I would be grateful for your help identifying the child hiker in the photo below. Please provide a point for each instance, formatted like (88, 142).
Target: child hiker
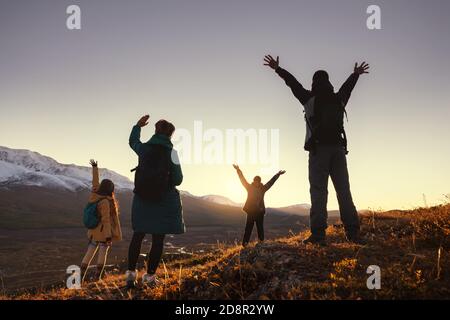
(254, 206)
(104, 226)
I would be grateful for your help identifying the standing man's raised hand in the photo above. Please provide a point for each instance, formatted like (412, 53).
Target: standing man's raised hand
(236, 167)
(281, 172)
(271, 62)
(93, 163)
(361, 69)
(143, 121)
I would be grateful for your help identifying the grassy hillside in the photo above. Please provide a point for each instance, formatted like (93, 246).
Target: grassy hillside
(412, 248)
(40, 208)
(41, 232)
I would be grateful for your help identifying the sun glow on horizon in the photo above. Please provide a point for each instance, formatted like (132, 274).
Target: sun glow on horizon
(75, 95)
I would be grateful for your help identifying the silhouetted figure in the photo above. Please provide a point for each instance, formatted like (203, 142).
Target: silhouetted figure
(326, 142)
(107, 225)
(156, 208)
(254, 205)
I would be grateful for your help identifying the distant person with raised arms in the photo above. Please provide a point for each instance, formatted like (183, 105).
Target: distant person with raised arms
(254, 205)
(101, 217)
(156, 208)
(326, 142)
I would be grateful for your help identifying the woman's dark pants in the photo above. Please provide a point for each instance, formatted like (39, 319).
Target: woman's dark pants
(154, 256)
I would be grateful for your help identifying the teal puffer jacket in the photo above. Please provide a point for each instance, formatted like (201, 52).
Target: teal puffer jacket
(166, 216)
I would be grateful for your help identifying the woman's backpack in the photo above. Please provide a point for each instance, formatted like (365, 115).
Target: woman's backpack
(151, 180)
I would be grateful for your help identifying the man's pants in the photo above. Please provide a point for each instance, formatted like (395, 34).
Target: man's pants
(330, 161)
(251, 220)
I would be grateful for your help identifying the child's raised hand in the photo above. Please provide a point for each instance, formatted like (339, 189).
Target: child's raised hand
(281, 172)
(236, 166)
(93, 162)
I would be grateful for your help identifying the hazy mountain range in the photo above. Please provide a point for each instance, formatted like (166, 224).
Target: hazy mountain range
(37, 191)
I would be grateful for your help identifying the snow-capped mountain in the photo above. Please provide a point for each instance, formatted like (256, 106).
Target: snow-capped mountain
(20, 167)
(24, 167)
(297, 209)
(213, 198)
(220, 200)
(301, 206)
(28, 168)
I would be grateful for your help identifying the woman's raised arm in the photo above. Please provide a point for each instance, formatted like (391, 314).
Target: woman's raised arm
(135, 136)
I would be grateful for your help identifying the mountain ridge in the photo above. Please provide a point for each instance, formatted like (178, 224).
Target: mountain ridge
(22, 167)
(25, 167)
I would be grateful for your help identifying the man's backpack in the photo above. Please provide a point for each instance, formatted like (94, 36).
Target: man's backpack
(327, 124)
(90, 215)
(151, 180)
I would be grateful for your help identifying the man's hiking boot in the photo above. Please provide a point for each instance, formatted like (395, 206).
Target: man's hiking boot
(150, 280)
(131, 277)
(259, 244)
(313, 239)
(356, 239)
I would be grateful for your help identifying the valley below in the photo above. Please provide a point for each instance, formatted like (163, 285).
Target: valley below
(41, 233)
(37, 258)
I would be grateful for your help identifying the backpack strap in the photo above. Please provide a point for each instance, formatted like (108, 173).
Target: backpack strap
(313, 149)
(307, 121)
(343, 132)
(345, 141)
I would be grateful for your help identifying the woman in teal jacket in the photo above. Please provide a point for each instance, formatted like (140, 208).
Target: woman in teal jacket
(157, 218)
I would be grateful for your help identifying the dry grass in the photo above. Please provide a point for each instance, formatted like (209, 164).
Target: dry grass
(411, 248)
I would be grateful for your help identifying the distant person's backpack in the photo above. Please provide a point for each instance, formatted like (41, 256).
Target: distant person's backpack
(90, 215)
(151, 180)
(255, 201)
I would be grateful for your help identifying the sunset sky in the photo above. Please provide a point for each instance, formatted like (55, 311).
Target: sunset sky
(75, 94)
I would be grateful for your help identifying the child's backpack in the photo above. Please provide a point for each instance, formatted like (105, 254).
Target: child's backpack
(90, 216)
